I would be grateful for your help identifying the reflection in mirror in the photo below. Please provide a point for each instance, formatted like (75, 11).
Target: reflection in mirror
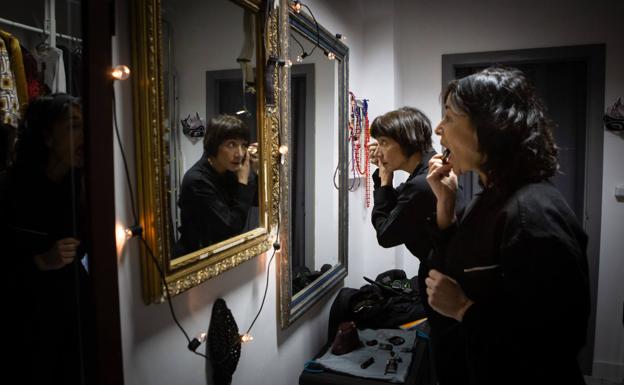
(314, 140)
(210, 119)
(43, 213)
(314, 259)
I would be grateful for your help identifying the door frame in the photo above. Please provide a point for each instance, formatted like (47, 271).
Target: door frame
(594, 57)
(98, 28)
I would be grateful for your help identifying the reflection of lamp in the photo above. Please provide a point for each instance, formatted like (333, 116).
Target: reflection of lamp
(120, 72)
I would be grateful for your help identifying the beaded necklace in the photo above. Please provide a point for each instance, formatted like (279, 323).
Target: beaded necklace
(359, 136)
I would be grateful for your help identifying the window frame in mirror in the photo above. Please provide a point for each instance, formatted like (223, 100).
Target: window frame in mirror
(294, 306)
(190, 270)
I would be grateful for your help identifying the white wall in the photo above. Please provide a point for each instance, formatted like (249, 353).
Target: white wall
(426, 31)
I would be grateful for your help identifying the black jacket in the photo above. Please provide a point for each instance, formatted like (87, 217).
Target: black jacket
(406, 215)
(401, 215)
(521, 257)
(213, 207)
(51, 309)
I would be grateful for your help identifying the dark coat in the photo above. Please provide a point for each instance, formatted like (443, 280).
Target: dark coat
(406, 215)
(51, 308)
(213, 207)
(401, 215)
(521, 257)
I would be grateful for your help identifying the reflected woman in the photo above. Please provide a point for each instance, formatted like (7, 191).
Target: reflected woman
(43, 220)
(219, 190)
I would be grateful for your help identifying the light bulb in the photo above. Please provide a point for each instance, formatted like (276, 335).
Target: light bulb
(297, 6)
(299, 59)
(283, 149)
(121, 72)
(331, 55)
(246, 338)
(202, 337)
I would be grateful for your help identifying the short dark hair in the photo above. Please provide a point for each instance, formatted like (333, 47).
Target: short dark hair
(513, 131)
(408, 126)
(222, 128)
(40, 117)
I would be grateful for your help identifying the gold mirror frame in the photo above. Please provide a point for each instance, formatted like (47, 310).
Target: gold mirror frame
(192, 269)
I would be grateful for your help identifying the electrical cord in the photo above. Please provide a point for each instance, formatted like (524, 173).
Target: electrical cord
(318, 29)
(138, 231)
(125, 162)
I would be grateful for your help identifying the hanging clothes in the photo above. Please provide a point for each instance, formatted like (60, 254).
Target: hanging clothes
(51, 63)
(9, 103)
(17, 66)
(34, 79)
(75, 85)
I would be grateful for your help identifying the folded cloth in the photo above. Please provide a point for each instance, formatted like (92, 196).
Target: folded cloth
(350, 363)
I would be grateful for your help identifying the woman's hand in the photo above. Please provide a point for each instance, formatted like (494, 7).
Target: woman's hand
(243, 172)
(62, 253)
(446, 296)
(254, 157)
(443, 182)
(372, 153)
(386, 175)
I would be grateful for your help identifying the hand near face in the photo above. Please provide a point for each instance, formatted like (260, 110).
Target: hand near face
(62, 253)
(243, 171)
(446, 296)
(443, 182)
(386, 174)
(254, 157)
(372, 153)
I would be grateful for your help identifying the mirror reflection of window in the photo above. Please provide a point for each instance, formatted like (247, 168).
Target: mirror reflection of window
(209, 64)
(314, 140)
(43, 213)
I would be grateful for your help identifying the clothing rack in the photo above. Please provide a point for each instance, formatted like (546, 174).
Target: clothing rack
(50, 19)
(35, 29)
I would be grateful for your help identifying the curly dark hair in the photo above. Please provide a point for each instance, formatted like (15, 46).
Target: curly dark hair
(41, 115)
(408, 126)
(222, 128)
(513, 131)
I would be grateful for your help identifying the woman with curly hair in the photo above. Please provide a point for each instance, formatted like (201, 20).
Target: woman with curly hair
(515, 266)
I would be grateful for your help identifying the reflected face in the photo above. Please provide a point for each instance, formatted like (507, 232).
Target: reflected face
(458, 134)
(390, 154)
(230, 155)
(66, 141)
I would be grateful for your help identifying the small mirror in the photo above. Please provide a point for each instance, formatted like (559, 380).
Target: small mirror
(316, 204)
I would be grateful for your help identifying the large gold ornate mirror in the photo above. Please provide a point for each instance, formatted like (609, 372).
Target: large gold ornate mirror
(314, 205)
(204, 137)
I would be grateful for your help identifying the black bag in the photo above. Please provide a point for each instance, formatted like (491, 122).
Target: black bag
(390, 301)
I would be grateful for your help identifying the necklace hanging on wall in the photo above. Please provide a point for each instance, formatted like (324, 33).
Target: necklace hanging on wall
(359, 136)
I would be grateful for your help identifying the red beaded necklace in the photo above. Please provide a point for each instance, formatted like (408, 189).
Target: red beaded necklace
(359, 135)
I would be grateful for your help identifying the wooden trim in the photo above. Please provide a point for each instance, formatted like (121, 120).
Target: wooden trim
(97, 24)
